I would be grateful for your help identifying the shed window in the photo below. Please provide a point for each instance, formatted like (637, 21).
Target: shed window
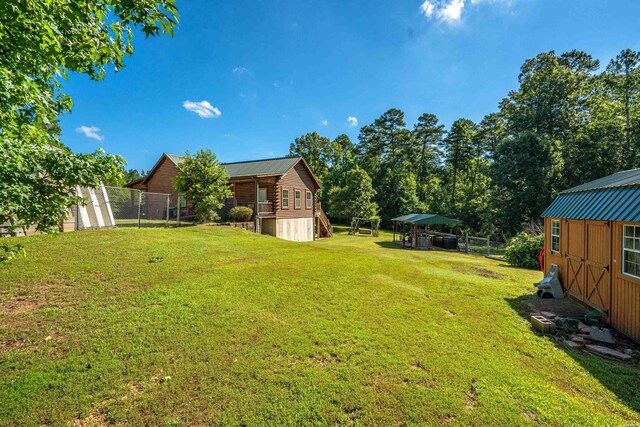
(298, 201)
(631, 250)
(309, 200)
(285, 198)
(555, 235)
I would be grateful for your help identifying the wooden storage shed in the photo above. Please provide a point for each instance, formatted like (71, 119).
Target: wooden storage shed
(592, 232)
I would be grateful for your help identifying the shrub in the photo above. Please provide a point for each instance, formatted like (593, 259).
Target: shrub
(524, 249)
(240, 214)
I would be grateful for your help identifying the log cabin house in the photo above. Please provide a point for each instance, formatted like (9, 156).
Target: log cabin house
(592, 232)
(282, 193)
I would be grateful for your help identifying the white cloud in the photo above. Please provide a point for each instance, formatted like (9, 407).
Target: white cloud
(324, 122)
(352, 121)
(427, 8)
(451, 11)
(240, 70)
(202, 109)
(90, 132)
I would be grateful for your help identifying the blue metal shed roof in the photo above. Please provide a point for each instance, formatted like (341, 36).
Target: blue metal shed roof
(612, 198)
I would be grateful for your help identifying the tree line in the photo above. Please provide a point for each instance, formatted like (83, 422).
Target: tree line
(568, 122)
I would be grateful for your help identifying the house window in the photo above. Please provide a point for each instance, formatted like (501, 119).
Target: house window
(309, 202)
(555, 235)
(262, 194)
(285, 198)
(183, 200)
(631, 250)
(298, 201)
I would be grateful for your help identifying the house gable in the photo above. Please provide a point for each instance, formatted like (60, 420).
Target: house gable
(298, 178)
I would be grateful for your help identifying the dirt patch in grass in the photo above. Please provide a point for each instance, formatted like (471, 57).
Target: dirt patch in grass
(29, 300)
(418, 365)
(90, 421)
(471, 398)
(21, 305)
(324, 360)
(478, 271)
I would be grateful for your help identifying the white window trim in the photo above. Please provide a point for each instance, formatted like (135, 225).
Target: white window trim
(295, 199)
(628, 250)
(285, 198)
(554, 235)
(308, 201)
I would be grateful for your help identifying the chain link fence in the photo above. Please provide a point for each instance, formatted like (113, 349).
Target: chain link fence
(482, 246)
(136, 208)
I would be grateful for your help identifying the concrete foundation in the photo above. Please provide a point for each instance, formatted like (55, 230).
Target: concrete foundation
(296, 229)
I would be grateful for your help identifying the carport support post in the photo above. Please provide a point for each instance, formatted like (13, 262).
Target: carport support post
(139, 207)
(414, 236)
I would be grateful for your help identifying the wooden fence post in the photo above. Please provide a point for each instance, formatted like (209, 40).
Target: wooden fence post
(488, 246)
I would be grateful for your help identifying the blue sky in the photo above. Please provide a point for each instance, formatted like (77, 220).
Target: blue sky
(270, 71)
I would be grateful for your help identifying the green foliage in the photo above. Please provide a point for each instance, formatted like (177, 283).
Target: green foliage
(125, 177)
(205, 183)
(316, 151)
(42, 41)
(524, 249)
(565, 124)
(353, 197)
(522, 174)
(10, 253)
(240, 214)
(38, 184)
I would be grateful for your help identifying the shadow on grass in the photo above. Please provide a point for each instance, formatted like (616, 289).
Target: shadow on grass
(621, 380)
(392, 245)
(152, 224)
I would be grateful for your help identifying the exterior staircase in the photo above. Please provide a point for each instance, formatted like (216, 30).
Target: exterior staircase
(323, 225)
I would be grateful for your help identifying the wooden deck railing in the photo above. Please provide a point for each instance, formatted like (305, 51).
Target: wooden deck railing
(265, 207)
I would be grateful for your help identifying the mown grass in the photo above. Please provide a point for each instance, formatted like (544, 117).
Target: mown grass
(233, 328)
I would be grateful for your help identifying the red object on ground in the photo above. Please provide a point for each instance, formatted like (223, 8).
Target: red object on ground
(541, 259)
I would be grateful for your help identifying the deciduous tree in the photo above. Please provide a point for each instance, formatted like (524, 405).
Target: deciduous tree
(205, 183)
(41, 42)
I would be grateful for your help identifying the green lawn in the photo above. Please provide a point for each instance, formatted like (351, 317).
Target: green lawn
(233, 328)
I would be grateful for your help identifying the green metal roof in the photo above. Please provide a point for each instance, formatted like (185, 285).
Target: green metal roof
(277, 166)
(426, 219)
(612, 198)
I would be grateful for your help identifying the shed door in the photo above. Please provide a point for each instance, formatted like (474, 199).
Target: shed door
(598, 253)
(574, 282)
